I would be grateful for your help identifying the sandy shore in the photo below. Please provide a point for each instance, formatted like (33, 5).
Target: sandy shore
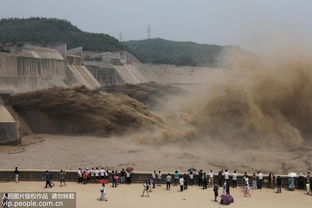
(71, 152)
(129, 196)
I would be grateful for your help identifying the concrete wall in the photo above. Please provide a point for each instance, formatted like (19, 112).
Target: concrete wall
(20, 72)
(80, 75)
(8, 65)
(9, 133)
(105, 75)
(137, 177)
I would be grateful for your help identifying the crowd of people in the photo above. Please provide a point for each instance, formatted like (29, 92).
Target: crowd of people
(223, 179)
(94, 175)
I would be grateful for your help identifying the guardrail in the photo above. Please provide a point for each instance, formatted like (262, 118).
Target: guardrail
(136, 177)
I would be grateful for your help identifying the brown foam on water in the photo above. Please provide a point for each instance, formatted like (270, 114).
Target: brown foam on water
(254, 101)
(82, 111)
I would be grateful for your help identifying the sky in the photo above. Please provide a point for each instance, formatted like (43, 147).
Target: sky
(251, 24)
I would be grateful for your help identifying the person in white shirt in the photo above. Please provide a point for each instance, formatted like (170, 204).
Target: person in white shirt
(97, 173)
(16, 174)
(211, 177)
(191, 176)
(168, 181)
(79, 174)
(154, 178)
(106, 174)
(246, 187)
(159, 177)
(181, 182)
(260, 180)
(226, 176)
(102, 173)
(128, 177)
(224, 186)
(234, 179)
(103, 193)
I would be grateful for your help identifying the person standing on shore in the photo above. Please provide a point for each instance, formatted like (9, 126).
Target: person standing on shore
(16, 172)
(200, 177)
(205, 181)
(103, 196)
(79, 175)
(271, 180)
(62, 178)
(176, 177)
(128, 177)
(88, 174)
(185, 181)
(154, 178)
(122, 176)
(191, 176)
(85, 177)
(224, 186)
(211, 178)
(309, 179)
(181, 182)
(106, 174)
(216, 191)
(114, 179)
(260, 180)
(97, 173)
(234, 179)
(92, 175)
(308, 188)
(159, 177)
(220, 177)
(278, 184)
(301, 181)
(226, 176)
(102, 173)
(168, 181)
(254, 181)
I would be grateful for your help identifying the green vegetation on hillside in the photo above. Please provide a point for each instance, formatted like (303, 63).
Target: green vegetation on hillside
(50, 31)
(161, 51)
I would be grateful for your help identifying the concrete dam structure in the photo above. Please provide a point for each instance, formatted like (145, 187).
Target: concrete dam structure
(9, 129)
(130, 74)
(24, 68)
(29, 67)
(115, 68)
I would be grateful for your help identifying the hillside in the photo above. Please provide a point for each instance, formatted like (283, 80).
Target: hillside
(160, 51)
(50, 31)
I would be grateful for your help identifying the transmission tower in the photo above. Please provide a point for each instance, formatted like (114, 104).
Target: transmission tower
(149, 31)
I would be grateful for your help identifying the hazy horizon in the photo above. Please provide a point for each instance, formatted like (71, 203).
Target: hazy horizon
(255, 25)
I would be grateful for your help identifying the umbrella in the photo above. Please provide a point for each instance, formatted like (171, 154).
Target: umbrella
(192, 169)
(129, 169)
(292, 175)
(105, 181)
